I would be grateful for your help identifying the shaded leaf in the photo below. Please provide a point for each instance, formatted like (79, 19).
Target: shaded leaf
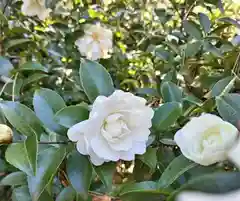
(67, 194)
(5, 66)
(192, 29)
(14, 179)
(205, 22)
(32, 66)
(150, 158)
(171, 92)
(220, 86)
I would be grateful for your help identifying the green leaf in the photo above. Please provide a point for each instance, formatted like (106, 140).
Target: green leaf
(219, 87)
(150, 158)
(16, 155)
(106, 173)
(163, 54)
(21, 194)
(211, 183)
(3, 19)
(67, 194)
(192, 48)
(95, 80)
(34, 78)
(192, 29)
(49, 161)
(175, 169)
(46, 104)
(32, 66)
(31, 146)
(143, 191)
(16, 42)
(22, 118)
(205, 22)
(171, 92)
(14, 179)
(5, 66)
(229, 108)
(79, 171)
(71, 115)
(166, 115)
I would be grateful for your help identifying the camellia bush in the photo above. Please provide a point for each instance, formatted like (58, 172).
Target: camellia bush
(121, 100)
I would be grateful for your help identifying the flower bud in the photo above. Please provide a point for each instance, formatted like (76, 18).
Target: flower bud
(6, 134)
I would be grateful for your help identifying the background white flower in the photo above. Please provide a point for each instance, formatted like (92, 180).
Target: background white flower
(35, 7)
(198, 196)
(206, 139)
(118, 128)
(96, 43)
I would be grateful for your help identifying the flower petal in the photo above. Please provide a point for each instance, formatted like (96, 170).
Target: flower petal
(77, 131)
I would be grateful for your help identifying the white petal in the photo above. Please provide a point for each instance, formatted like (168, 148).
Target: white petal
(141, 134)
(43, 13)
(103, 150)
(234, 154)
(95, 159)
(139, 148)
(124, 144)
(127, 155)
(82, 145)
(75, 132)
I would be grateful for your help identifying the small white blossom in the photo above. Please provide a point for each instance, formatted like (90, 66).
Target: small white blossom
(206, 139)
(35, 7)
(117, 128)
(96, 43)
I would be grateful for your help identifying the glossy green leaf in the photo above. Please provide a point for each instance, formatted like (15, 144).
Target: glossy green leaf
(163, 54)
(21, 194)
(150, 158)
(192, 48)
(229, 108)
(34, 78)
(71, 115)
(106, 173)
(5, 66)
(16, 155)
(32, 66)
(67, 194)
(166, 115)
(175, 169)
(31, 147)
(49, 161)
(46, 104)
(205, 22)
(95, 80)
(3, 19)
(14, 179)
(17, 42)
(220, 182)
(79, 171)
(22, 118)
(220, 86)
(192, 29)
(171, 92)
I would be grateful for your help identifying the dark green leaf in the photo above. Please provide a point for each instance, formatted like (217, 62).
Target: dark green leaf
(95, 80)
(5, 66)
(21, 194)
(106, 173)
(211, 183)
(34, 78)
(3, 19)
(192, 48)
(79, 171)
(229, 108)
(14, 179)
(174, 170)
(71, 115)
(219, 87)
(16, 155)
(192, 29)
(22, 118)
(31, 146)
(205, 22)
(46, 104)
(16, 42)
(141, 186)
(67, 194)
(32, 66)
(171, 92)
(150, 158)
(166, 115)
(163, 54)
(49, 161)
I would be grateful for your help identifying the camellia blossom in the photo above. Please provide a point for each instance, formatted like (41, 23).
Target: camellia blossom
(198, 196)
(96, 43)
(117, 128)
(35, 7)
(233, 154)
(206, 139)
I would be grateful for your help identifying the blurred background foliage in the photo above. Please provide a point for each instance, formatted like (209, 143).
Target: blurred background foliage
(191, 44)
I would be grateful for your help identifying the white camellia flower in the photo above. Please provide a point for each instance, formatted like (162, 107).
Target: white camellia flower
(206, 139)
(117, 128)
(198, 196)
(35, 7)
(96, 43)
(233, 154)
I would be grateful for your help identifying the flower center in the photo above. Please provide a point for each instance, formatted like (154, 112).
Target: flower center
(114, 128)
(95, 36)
(211, 138)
